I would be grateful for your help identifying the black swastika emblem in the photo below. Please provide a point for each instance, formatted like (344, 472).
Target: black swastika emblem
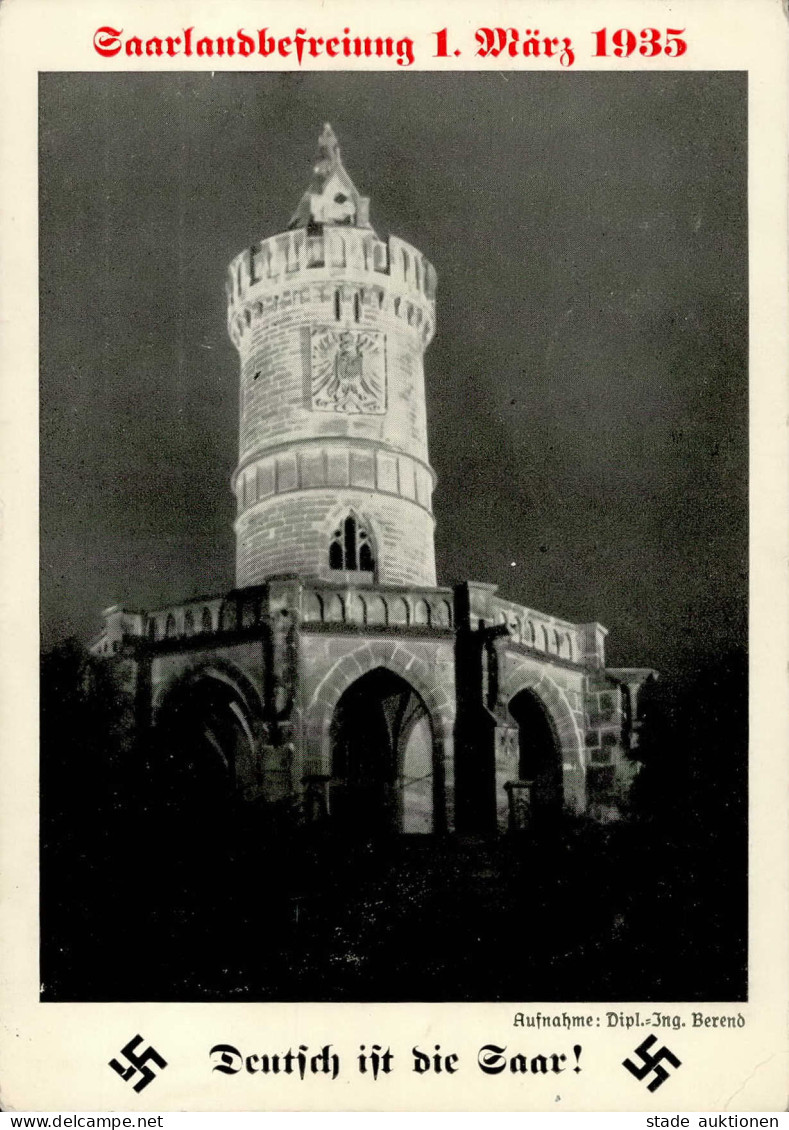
(651, 1061)
(138, 1062)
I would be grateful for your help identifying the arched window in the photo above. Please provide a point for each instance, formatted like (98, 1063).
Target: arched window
(169, 627)
(350, 547)
(335, 551)
(189, 623)
(207, 625)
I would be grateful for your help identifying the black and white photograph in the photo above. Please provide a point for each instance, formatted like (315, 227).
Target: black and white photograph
(394, 536)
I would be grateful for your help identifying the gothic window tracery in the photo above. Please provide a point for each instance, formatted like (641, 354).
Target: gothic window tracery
(350, 548)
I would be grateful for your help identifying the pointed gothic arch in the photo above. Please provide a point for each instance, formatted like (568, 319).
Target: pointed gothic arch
(539, 754)
(438, 699)
(565, 725)
(381, 757)
(205, 748)
(352, 545)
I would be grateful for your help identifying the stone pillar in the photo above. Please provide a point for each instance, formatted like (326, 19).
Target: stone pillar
(593, 644)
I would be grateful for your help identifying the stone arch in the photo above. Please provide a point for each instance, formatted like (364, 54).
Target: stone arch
(313, 607)
(205, 746)
(399, 611)
(383, 757)
(539, 756)
(422, 612)
(444, 613)
(228, 616)
(376, 610)
(335, 608)
(356, 608)
(400, 660)
(568, 734)
(222, 671)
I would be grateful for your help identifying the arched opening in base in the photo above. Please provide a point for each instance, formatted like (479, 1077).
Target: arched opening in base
(382, 758)
(204, 745)
(539, 754)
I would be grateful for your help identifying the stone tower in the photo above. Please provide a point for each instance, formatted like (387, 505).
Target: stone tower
(331, 322)
(337, 681)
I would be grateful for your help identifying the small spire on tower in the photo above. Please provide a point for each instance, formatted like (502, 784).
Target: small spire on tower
(331, 196)
(328, 152)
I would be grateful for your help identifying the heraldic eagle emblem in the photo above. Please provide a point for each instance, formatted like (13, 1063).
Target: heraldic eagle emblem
(348, 371)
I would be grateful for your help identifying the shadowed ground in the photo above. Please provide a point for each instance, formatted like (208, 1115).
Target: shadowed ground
(141, 901)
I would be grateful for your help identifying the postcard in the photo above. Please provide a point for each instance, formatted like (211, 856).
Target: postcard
(394, 609)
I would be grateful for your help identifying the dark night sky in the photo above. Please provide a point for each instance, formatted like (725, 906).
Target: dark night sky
(587, 396)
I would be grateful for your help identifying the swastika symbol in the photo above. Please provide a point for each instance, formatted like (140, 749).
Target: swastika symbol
(138, 1062)
(650, 1061)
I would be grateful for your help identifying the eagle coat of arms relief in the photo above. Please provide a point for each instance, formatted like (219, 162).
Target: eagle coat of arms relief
(348, 371)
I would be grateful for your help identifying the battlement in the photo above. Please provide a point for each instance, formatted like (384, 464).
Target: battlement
(407, 606)
(540, 631)
(382, 606)
(389, 271)
(582, 644)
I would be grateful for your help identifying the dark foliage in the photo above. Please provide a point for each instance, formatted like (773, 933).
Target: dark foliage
(143, 900)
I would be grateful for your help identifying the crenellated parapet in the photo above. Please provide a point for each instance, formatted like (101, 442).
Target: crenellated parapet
(538, 630)
(306, 605)
(378, 608)
(348, 274)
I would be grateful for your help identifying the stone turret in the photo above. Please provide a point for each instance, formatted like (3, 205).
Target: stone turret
(331, 323)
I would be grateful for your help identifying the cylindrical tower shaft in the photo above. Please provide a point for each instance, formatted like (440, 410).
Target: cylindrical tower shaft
(331, 323)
